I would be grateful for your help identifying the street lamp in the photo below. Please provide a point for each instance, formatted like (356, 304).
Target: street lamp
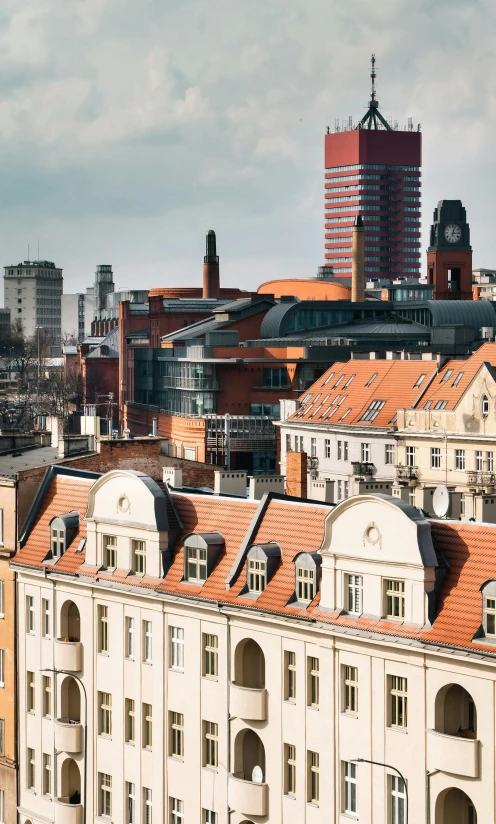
(388, 767)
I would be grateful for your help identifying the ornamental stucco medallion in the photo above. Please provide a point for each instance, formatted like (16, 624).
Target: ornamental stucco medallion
(123, 504)
(372, 535)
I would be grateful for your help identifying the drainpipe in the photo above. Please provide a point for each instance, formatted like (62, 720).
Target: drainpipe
(428, 794)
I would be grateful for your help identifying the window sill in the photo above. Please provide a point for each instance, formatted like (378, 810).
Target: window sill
(177, 758)
(105, 737)
(290, 797)
(402, 730)
(213, 678)
(210, 769)
(103, 654)
(130, 743)
(290, 701)
(313, 804)
(313, 707)
(176, 669)
(353, 816)
(147, 663)
(353, 715)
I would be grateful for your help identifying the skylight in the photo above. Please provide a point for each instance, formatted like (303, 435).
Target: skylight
(371, 379)
(440, 404)
(346, 413)
(338, 381)
(457, 379)
(329, 378)
(427, 404)
(447, 375)
(373, 410)
(419, 381)
(348, 381)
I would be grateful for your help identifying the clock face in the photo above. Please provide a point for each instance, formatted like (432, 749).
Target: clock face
(452, 233)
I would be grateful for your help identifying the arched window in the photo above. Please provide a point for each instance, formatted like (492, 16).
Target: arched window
(307, 576)
(484, 406)
(201, 552)
(63, 528)
(261, 562)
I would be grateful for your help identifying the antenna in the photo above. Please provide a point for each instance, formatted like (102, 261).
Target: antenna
(441, 501)
(372, 77)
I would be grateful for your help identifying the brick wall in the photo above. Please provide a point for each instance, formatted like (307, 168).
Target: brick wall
(194, 473)
(296, 474)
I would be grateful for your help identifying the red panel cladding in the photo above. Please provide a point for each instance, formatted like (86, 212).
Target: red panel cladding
(373, 146)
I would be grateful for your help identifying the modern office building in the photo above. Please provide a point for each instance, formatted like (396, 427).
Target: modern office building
(33, 293)
(373, 169)
(193, 658)
(77, 314)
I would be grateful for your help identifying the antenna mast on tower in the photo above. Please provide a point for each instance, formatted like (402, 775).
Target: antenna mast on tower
(373, 119)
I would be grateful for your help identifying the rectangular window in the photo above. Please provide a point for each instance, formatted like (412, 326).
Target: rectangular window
(305, 584)
(350, 690)
(460, 459)
(105, 713)
(340, 491)
(313, 447)
(395, 599)
(2, 741)
(256, 575)
(177, 648)
(313, 795)
(209, 817)
(31, 769)
(340, 450)
(349, 787)
(478, 461)
(147, 724)
(196, 564)
(47, 696)
(2, 668)
(130, 803)
(211, 744)
(2, 806)
(313, 681)
(398, 800)
(288, 443)
(129, 637)
(276, 377)
(419, 381)
(47, 774)
(147, 642)
(327, 445)
(345, 490)
(129, 721)
(290, 676)
(372, 411)
(490, 615)
(103, 633)
(2, 596)
(210, 655)
(290, 769)
(176, 734)
(398, 697)
(354, 586)
(30, 691)
(435, 457)
(104, 795)
(410, 456)
(147, 806)
(45, 617)
(345, 450)
(490, 461)
(389, 454)
(138, 549)
(30, 614)
(365, 452)
(176, 811)
(110, 551)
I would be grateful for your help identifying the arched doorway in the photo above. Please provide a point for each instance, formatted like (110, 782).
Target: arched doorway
(70, 700)
(249, 752)
(70, 622)
(453, 806)
(249, 665)
(455, 712)
(70, 782)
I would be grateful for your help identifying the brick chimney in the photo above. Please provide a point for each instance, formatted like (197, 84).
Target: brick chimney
(358, 261)
(296, 474)
(211, 278)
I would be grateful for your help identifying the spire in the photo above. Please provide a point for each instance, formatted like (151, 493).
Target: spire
(373, 119)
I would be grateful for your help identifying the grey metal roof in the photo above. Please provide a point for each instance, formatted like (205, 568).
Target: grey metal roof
(112, 341)
(475, 313)
(272, 322)
(196, 330)
(376, 328)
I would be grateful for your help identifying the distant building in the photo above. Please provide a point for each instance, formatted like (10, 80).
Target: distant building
(33, 293)
(77, 313)
(373, 169)
(4, 321)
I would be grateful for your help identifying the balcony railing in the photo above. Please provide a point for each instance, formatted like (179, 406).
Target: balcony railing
(68, 655)
(248, 703)
(362, 468)
(453, 754)
(68, 735)
(313, 462)
(404, 474)
(246, 797)
(481, 480)
(66, 812)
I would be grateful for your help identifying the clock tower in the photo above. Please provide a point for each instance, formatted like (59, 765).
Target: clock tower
(449, 256)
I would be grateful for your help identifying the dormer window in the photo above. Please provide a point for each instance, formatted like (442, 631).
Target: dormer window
(307, 576)
(110, 551)
(63, 529)
(139, 557)
(485, 406)
(261, 563)
(58, 542)
(201, 551)
(490, 616)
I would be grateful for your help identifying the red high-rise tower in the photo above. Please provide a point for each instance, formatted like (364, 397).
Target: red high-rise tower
(373, 169)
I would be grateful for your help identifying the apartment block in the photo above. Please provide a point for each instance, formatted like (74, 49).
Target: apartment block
(33, 293)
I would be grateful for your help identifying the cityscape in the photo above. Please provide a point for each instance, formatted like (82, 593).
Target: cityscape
(248, 517)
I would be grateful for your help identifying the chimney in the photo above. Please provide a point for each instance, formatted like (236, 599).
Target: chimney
(211, 285)
(296, 474)
(358, 262)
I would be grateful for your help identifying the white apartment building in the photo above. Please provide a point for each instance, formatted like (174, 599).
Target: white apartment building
(33, 292)
(77, 313)
(185, 658)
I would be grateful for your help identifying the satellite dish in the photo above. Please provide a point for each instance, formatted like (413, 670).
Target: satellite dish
(257, 775)
(441, 501)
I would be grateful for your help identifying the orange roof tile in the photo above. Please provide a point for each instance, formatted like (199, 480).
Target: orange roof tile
(455, 377)
(344, 393)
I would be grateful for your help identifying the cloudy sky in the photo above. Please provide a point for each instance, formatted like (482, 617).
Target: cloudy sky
(128, 128)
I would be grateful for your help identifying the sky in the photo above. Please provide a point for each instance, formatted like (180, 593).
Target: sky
(128, 129)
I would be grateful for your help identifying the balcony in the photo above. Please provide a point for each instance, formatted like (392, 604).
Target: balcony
(453, 754)
(68, 735)
(247, 703)
(362, 468)
(245, 797)
(68, 655)
(407, 474)
(67, 813)
(313, 463)
(481, 481)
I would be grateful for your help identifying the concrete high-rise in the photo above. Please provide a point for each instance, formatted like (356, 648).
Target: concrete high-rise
(33, 293)
(373, 169)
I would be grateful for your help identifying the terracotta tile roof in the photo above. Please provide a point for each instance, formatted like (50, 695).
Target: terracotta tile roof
(470, 550)
(455, 377)
(345, 392)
